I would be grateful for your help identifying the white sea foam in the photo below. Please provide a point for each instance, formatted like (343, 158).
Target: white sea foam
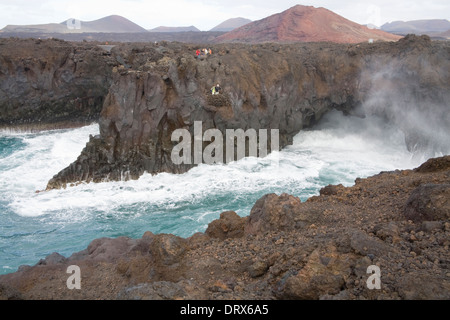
(340, 150)
(27, 170)
(337, 151)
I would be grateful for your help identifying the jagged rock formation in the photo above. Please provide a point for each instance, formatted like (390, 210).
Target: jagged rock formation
(285, 249)
(158, 89)
(269, 88)
(45, 82)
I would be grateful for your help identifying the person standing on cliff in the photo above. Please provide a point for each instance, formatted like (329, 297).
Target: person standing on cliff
(216, 89)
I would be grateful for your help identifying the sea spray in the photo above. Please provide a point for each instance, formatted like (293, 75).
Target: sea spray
(397, 92)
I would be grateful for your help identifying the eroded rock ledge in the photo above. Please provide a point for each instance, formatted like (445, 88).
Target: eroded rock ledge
(48, 84)
(285, 249)
(159, 88)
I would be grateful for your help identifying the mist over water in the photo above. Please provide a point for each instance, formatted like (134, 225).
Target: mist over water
(32, 225)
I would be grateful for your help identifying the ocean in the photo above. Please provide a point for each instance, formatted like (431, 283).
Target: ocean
(33, 225)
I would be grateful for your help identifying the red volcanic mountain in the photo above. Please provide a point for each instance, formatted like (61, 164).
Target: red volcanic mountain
(305, 24)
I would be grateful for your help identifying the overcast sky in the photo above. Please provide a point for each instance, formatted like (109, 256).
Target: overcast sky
(206, 14)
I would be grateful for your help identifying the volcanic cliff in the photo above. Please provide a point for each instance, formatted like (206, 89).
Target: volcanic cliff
(157, 89)
(52, 83)
(284, 249)
(305, 24)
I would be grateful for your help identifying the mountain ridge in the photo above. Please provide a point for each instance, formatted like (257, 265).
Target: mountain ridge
(231, 24)
(424, 25)
(108, 24)
(435, 28)
(174, 29)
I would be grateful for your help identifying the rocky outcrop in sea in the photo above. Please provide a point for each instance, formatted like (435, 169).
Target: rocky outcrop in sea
(158, 89)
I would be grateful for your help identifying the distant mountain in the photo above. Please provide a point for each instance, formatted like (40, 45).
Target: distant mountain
(445, 35)
(175, 29)
(305, 24)
(417, 26)
(110, 24)
(37, 28)
(231, 24)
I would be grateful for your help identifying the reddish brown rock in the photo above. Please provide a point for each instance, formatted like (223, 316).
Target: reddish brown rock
(434, 164)
(305, 24)
(230, 225)
(430, 202)
(325, 273)
(272, 212)
(282, 254)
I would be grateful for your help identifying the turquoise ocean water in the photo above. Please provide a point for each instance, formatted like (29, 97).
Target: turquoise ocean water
(33, 225)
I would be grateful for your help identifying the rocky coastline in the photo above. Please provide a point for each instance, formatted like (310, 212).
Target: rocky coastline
(284, 249)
